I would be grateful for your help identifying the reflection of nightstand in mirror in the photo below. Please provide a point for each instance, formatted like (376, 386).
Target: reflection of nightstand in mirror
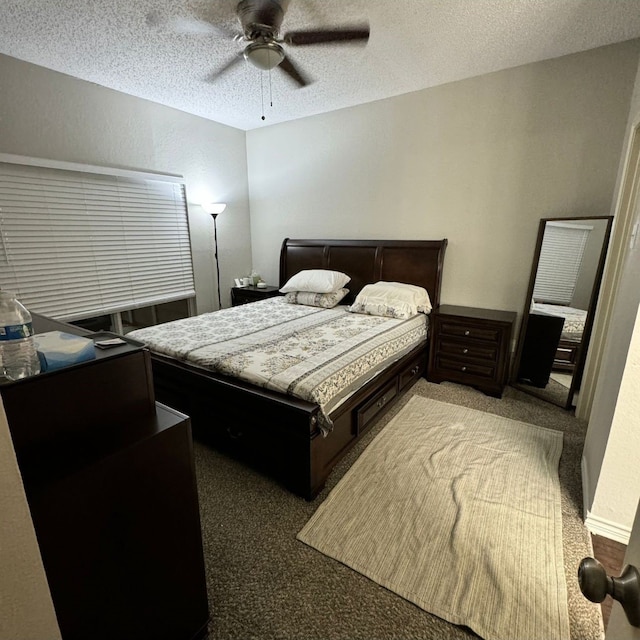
(242, 295)
(540, 348)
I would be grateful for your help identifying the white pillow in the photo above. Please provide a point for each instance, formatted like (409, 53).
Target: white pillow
(316, 281)
(392, 300)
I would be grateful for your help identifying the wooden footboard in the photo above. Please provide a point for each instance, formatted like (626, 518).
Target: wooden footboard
(275, 433)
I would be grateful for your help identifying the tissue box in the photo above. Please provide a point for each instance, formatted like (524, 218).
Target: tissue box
(57, 349)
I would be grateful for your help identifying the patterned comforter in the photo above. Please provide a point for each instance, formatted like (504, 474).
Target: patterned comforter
(318, 355)
(574, 319)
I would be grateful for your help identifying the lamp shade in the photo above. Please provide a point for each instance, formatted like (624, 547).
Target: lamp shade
(214, 208)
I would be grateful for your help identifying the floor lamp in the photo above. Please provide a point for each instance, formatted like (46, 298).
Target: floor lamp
(213, 209)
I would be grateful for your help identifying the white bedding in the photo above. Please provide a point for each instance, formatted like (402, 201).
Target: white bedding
(574, 319)
(318, 355)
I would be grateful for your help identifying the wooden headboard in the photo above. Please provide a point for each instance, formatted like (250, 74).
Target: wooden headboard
(416, 262)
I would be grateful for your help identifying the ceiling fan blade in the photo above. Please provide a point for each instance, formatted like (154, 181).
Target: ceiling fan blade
(212, 77)
(294, 73)
(320, 36)
(186, 25)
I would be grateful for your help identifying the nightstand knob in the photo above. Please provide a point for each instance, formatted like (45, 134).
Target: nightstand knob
(463, 369)
(466, 333)
(465, 350)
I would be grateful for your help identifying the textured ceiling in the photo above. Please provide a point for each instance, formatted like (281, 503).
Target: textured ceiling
(414, 44)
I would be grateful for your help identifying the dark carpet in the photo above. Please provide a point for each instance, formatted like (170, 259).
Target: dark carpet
(263, 583)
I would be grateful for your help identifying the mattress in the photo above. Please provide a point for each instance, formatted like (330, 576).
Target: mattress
(318, 355)
(574, 319)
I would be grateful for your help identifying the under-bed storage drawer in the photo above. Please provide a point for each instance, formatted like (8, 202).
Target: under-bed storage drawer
(412, 373)
(368, 412)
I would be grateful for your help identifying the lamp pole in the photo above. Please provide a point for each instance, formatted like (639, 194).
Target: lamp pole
(215, 253)
(213, 209)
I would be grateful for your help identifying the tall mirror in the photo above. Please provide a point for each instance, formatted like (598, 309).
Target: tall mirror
(559, 307)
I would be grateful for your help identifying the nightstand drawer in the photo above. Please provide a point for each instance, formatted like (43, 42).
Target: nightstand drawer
(468, 368)
(466, 349)
(469, 331)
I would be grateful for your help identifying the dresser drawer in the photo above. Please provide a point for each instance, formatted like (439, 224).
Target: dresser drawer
(466, 349)
(469, 331)
(462, 366)
(368, 412)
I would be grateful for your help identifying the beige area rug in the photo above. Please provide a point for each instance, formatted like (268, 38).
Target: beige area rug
(459, 512)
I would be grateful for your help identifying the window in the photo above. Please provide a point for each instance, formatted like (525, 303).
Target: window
(80, 242)
(560, 261)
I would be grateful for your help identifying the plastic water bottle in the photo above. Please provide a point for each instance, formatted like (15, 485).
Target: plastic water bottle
(18, 355)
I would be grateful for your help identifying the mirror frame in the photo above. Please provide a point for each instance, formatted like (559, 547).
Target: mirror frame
(588, 325)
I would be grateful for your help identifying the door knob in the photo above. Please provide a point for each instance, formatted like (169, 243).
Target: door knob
(595, 584)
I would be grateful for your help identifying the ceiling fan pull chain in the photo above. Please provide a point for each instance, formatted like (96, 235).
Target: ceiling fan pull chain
(262, 94)
(270, 92)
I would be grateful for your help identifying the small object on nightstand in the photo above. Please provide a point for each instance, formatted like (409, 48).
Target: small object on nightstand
(243, 295)
(471, 346)
(261, 285)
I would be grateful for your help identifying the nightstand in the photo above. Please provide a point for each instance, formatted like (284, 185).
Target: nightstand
(242, 295)
(471, 346)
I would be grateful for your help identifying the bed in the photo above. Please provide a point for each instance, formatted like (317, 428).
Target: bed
(298, 439)
(571, 336)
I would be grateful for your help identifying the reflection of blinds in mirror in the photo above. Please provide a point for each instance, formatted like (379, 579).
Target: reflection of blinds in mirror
(79, 243)
(560, 261)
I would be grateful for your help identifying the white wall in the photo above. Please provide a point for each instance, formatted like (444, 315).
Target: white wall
(26, 608)
(45, 114)
(478, 161)
(611, 456)
(618, 487)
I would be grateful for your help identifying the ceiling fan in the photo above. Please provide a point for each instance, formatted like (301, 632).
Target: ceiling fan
(260, 21)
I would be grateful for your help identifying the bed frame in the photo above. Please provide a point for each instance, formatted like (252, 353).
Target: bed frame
(277, 433)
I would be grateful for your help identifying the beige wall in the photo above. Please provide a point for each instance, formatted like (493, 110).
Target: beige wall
(45, 114)
(26, 609)
(478, 161)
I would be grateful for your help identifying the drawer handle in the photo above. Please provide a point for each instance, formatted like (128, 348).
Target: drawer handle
(465, 351)
(415, 370)
(463, 368)
(234, 434)
(466, 333)
(381, 402)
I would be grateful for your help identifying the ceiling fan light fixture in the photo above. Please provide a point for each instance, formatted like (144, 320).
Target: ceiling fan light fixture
(264, 55)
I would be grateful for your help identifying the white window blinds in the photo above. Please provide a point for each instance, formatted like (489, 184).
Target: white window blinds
(75, 244)
(560, 261)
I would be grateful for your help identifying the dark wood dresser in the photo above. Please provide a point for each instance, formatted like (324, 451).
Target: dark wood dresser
(110, 480)
(471, 346)
(242, 295)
